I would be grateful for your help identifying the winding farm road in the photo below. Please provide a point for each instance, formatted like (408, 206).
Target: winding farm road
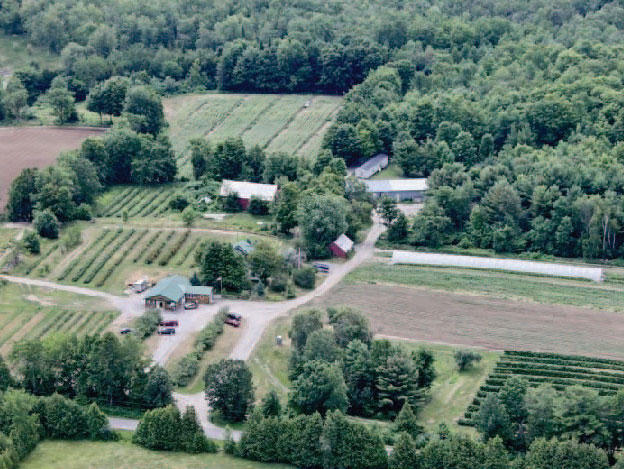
(257, 315)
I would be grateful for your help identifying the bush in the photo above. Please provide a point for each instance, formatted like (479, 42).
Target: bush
(83, 212)
(305, 277)
(465, 359)
(71, 238)
(258, 206)
(31, 242)
(279, 283)
(186, 369)
(230, 203)
(147, 323)
(46, 224)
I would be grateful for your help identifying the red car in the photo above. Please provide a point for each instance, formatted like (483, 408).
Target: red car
(173, 323)
(233, 319)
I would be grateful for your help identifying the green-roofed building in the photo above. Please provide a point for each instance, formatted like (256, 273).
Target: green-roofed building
(172, 292)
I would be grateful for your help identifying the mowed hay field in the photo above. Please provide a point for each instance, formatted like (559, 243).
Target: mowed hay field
(275, 122)
(34, 147)
(485, 321)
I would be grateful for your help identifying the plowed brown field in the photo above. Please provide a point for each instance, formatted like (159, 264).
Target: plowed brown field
(496, 324)
(35, 147)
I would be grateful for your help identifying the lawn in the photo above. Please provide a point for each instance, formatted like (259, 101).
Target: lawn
(391, 172)
(124, 455)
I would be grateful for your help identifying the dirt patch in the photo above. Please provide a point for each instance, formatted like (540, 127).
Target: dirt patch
(39, 300)
(491, 323)
(35, 147)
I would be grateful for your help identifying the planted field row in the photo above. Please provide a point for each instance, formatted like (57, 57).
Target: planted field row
(93, 245)
(250, 110)
(173, 249)
(108, 254)
(145, 248)
(155, 253)
(188, 252)
(118, 204)
(561, 371)
(41, 258)
(121, 257)
(89, 261)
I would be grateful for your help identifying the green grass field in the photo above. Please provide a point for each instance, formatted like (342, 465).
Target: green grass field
(33, 313)
(391, 172)
(605, 296)
(124, 455)
(275, 122)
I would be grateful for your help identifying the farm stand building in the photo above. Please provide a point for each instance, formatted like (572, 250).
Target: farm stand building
(372, 166)
(246, 190)
(399, 189)
(341, 247)
(172, 291)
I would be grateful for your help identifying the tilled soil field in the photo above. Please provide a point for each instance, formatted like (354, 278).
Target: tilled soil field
(34, 147)
(492, 323)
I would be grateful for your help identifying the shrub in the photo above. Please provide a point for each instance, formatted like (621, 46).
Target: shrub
(83, 212)
(186, 369)
(31, 242)
(258, 206)
(305, 277)
(147, 323)
(46, 224)
(71, 238)
(230, 203)
(465, 359)
(279, 283)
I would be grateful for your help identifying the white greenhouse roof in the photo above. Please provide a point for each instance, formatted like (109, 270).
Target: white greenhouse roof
(472, 262)
(397, 185)
(344, 243)
(246, 190)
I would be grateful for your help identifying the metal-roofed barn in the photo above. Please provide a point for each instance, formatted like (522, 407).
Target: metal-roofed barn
(246, 190)
(372, 166)
(342, 246)
(398, 189)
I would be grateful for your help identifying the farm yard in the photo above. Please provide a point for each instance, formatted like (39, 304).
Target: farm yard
(484, 321)
(275, 122)
(35, 147)
(604, 376)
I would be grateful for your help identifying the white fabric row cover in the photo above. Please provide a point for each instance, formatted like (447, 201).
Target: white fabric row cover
(472, 262)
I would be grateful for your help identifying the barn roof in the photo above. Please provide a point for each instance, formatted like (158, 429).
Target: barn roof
(397, 185)
(172, 288)
(344, 243)
(246, 190)
(374, 162)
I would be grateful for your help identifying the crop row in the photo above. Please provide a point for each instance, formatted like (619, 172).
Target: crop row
(118, 207)
(188, 251)
(172, 251)
(108, 254)
(155, 253)
(41, 257)
(87, 250)
(162, 199)
(560, 371)
(148, 244)
(144, 202)
(89, 262)
(120, 258)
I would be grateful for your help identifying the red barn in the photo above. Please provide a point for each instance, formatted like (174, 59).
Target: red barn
(341, 247)
(246, 190)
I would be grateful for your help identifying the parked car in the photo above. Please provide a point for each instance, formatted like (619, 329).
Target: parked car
(126, 330)
(167, 331)
(324, 268)
(173, 323)
(233, 319)
(190, 305)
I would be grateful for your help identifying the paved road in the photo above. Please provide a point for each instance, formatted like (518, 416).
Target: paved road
(257, 315)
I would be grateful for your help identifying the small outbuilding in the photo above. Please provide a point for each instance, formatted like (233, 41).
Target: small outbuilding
(398, 189)
(140, 285)
(246, 190)
(172, 292)
(243, 247)
(372, 166)
(342, 246)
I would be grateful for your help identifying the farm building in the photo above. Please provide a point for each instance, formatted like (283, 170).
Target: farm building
(399, 189)
(342, 246)
(372, 166)
(246, 190)
(172, 292)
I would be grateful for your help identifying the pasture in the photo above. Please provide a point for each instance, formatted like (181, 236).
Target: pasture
(124, 455)
(34, 147)
(604, 376)
(275, 122)
(34, 313)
